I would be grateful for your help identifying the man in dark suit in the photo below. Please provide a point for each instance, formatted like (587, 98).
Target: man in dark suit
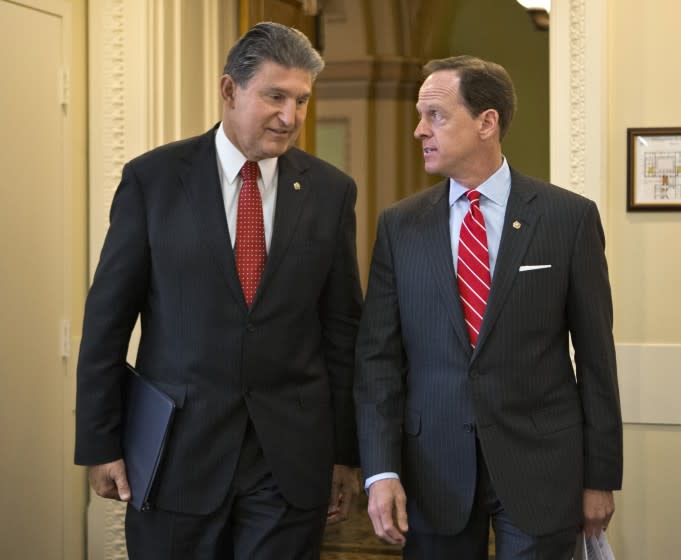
(246, 282)
(467, 404)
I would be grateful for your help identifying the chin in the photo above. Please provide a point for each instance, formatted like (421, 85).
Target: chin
(431, 168)
(277, 148)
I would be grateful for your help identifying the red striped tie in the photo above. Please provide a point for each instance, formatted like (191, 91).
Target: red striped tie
(473, 276)
(250, 233)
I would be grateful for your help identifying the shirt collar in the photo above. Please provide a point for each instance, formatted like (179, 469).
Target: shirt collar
(496, 188)
(231, 160)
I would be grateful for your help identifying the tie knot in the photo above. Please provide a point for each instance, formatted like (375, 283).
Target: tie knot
(473, 195)
(250, 171)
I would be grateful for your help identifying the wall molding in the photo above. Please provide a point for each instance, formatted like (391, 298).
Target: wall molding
(577, 93)
(107, 114)
(397, 78)
(578, 86)
(117, 126)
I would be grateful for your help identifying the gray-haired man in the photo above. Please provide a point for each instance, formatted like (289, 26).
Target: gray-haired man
(248, 291)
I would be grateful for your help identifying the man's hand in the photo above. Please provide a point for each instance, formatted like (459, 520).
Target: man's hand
(388, 510)
(599, 505)
(109, 480)
(344, 488)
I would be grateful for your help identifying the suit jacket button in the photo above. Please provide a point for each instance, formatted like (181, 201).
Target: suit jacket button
(469, 427)
(250, 327)
(474, 372)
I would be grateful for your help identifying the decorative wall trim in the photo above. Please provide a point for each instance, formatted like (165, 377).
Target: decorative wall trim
(578, 85)
(335, 11)
(107, 114)
(650, 383)
(156, 45)
(577, 96)
(120, 127)
(370, 79)
(109, 75)
(106, 531)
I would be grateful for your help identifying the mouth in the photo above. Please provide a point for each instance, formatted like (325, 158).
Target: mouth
(279, 132)
(428, 150)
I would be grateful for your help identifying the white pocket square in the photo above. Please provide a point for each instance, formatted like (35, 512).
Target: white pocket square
(527, 267)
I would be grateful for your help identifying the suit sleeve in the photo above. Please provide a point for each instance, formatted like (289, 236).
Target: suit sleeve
(590, 319)
(381, 366)
(341, 304)
(115, 299)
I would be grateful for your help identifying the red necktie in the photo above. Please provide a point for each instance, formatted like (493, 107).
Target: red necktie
(250, 233)
(473, 276)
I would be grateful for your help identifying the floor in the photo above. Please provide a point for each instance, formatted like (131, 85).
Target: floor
(354, 539)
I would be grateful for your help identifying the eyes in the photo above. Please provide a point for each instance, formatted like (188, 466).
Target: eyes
(432, 116)
(280, 98)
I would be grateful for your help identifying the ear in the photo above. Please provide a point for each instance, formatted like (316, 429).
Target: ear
(228, 88)
(489, 123)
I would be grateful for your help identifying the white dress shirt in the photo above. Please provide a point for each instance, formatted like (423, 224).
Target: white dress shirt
(230, 161)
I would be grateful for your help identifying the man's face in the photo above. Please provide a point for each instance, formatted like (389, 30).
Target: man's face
(263, 119)
(450, 135)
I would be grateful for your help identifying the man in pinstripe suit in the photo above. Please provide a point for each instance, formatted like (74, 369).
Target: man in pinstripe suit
(460, 427)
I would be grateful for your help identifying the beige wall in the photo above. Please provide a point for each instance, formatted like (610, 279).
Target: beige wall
(645, 81)
(644, 75)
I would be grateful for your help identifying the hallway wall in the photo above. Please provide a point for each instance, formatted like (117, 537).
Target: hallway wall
(644, 78)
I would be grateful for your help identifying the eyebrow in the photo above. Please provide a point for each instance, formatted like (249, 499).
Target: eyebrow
(283, 91)
(428, 106)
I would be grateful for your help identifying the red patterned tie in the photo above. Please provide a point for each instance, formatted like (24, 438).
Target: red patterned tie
(250, 232)
(472, 269)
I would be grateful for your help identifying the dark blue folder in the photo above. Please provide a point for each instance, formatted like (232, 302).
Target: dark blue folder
(148, 417)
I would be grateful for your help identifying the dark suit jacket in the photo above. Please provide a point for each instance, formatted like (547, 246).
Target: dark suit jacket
(287, 363)
(419, 388)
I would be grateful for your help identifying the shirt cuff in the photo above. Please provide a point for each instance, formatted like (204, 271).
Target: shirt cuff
(380, 476)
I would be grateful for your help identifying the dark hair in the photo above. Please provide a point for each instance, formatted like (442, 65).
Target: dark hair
(272, 42)
(483, 85)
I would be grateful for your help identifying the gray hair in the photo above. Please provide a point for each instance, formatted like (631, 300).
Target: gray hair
(273, 42)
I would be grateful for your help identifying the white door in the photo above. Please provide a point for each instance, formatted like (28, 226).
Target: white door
(33, 270)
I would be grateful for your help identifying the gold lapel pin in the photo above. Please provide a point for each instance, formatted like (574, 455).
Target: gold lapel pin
(516, 224)
(296, 186)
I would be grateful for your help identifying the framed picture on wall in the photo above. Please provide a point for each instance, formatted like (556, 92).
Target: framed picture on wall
(654, 168)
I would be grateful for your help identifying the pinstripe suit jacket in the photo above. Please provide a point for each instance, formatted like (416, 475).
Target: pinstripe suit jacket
(286, 363)
(545, 434)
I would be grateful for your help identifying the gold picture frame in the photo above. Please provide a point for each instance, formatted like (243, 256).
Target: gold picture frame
(654, 169)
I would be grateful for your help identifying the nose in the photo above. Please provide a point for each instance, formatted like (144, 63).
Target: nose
(287, 115)
(421, 131)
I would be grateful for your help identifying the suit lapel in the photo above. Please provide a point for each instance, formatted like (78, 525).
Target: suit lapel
(201, 181)
(514, 243)
(438, 247)
(292, 192)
